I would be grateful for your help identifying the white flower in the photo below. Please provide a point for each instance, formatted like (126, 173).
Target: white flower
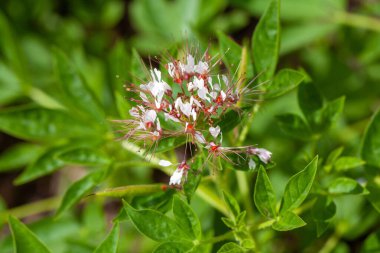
(164, 163)
(199, 137)
(184, 107)
(201, 68)
(214, 131)
(171, 117)
(176, 177)
(251, 164)
(134, 112)
(171, 69)
(262, 153)
(150, 116)
(189, 67)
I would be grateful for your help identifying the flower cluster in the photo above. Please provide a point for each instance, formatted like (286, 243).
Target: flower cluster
(187, 100)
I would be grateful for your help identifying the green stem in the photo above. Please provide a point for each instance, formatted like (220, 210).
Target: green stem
(219, 238)
(356, 20)
(32, 208)
(241, 177)
(330, 243)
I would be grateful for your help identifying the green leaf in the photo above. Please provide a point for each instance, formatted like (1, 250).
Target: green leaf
(233, 56)
(284, 81)
(373, 187)
(78, 94)
(333, 156)
(370, 150)
(47, 163)
(347, 162)
(231, 247)
(186, 218)
(322, 212)
(173, 247)
(264, 196)
(288, 221)
(155, 225)
(371, 243)
(85, 156)
(293, 125)
(41, 124)
(230, 50)
(192, 182)
(24, 240)
(232, 204)
(298, 187)
(10, 85)
(345, 185)
(266, 41)
(109, 245)
(79, 189)
(19, 155)
(169, 143)
(309, 100)
(329, 113)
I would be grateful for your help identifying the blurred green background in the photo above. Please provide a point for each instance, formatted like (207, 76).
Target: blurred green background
(336, 42)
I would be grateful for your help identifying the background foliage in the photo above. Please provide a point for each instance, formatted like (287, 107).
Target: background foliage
(62, 69)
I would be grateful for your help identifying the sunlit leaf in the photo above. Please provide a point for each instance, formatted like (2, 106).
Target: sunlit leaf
(298, 187)
(40, 124)
(288, 221)
(109, 245)
(231, 247)
(79, 189)
(266, 41)
(25, 241)
(370, 150)
(173, 247)
(78, 95)
(264, 196)
(186, 218)
(155, 225)
(19, 155)
(284, 81)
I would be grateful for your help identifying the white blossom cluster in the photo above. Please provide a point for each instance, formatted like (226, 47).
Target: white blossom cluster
(192, 99)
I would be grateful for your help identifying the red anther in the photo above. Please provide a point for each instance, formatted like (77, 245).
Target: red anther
(164, 187)
(178, 80)
(219, 100)
(149, 124)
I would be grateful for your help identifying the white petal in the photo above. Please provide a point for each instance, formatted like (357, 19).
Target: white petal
(176, 177)
(164, 163)
(214, 131)
(158, 123)
(251, 164)
(194, 114)
(171, 117)
(185, 108)
(144, 97)
(223, 95)
(134, 112)
(150, 116)
(171, 69)
(264, 154)
(199, 137)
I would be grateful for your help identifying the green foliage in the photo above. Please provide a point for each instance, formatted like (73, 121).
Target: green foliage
(65, 69)
(298, 187)
(264, 196)
(24, 240)
(266, 41)
(109, 245)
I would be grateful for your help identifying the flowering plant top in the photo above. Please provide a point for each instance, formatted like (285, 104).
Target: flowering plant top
(188, 100)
